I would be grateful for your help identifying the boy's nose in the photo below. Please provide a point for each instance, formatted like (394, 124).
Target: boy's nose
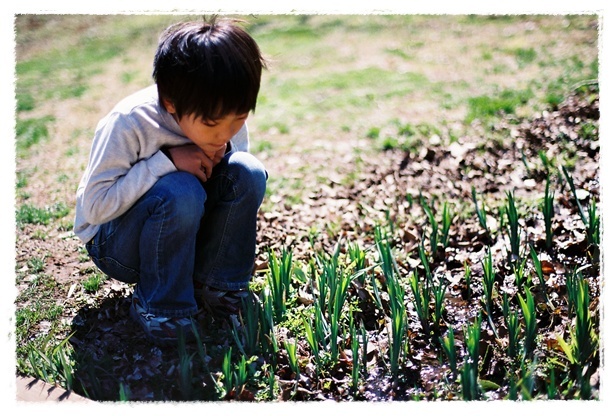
(225, 136)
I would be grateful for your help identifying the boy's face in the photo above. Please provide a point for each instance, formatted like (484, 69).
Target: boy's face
(209, 135)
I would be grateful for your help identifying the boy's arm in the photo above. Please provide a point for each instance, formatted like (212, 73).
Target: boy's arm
(116, 176)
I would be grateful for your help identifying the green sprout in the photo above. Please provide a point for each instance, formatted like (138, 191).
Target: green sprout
(529, 316)
(433, 238)
(227, 371)
(469, 370)
(421, 300)
(448, 345)
(467, 275)
(584, 341)
(247, 337)
(481, 213)
(574, 194)
(293, 360)
(469, 381)
(511, 319)
(398, 314)
(521, 277)
(279, 280)
(591, 221)
(488, 284)
(446, 224)
(438, 292)
(541, 277)
(426, 265)
(356, 369)
(513, 226)
(548, 212)
(593, 224)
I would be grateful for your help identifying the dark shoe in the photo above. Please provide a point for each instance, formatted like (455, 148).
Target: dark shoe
(159, 329)
(220, 302)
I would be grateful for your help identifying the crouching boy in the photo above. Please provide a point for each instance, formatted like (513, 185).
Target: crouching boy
(170, 194)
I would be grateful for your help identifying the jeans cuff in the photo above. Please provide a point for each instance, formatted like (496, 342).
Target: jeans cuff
(224, 285)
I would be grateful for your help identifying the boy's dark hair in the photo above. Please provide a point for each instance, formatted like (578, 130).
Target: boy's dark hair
(209, 69)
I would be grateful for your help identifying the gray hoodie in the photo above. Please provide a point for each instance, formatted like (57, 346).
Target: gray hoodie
(126, 160)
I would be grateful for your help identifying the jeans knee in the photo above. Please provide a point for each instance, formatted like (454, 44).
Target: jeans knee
(250, 171)
(183, 197)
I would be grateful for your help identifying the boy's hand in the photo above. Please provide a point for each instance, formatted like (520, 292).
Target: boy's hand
(190, 158)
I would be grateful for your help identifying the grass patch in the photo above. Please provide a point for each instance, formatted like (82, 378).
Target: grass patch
(25, 101)
(65, 75)
(484, 107)
(21, 180)
(38, 301)
(93, 282)
(348, 90)
(36, 264)
(29, 214)
(262, 146)
(28, 316)
(30, 132)
(388, 83)
(575, 75)
(525, 56)
(64, 69)
(400, 53)
(397, 134)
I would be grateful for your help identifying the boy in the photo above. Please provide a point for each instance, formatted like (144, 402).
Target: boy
(170, 195)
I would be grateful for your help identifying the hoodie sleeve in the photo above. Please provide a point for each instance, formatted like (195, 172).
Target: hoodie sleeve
(241, 140)
(117, 174)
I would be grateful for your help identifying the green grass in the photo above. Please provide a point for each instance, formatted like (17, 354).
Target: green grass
(93, 282)
(30, 132)
(325, 323)
(36, 264)
(486, 106)
(525, 56)
(39, 304)
(66, 67)
(51, 361)
(30, 214)
(589, 131)
(259, 146)
(21, 180)
(574, 74)
(25, 101)
(27, 317)
(400, 53)
(66, 72)
(407, 136)
(344, 90)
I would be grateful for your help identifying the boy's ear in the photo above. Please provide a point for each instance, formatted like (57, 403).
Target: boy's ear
(168, 105)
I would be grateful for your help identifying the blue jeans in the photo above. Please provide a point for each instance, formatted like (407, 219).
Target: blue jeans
(184, 230)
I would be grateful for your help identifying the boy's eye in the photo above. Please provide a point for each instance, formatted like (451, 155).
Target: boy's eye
(210, 123)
